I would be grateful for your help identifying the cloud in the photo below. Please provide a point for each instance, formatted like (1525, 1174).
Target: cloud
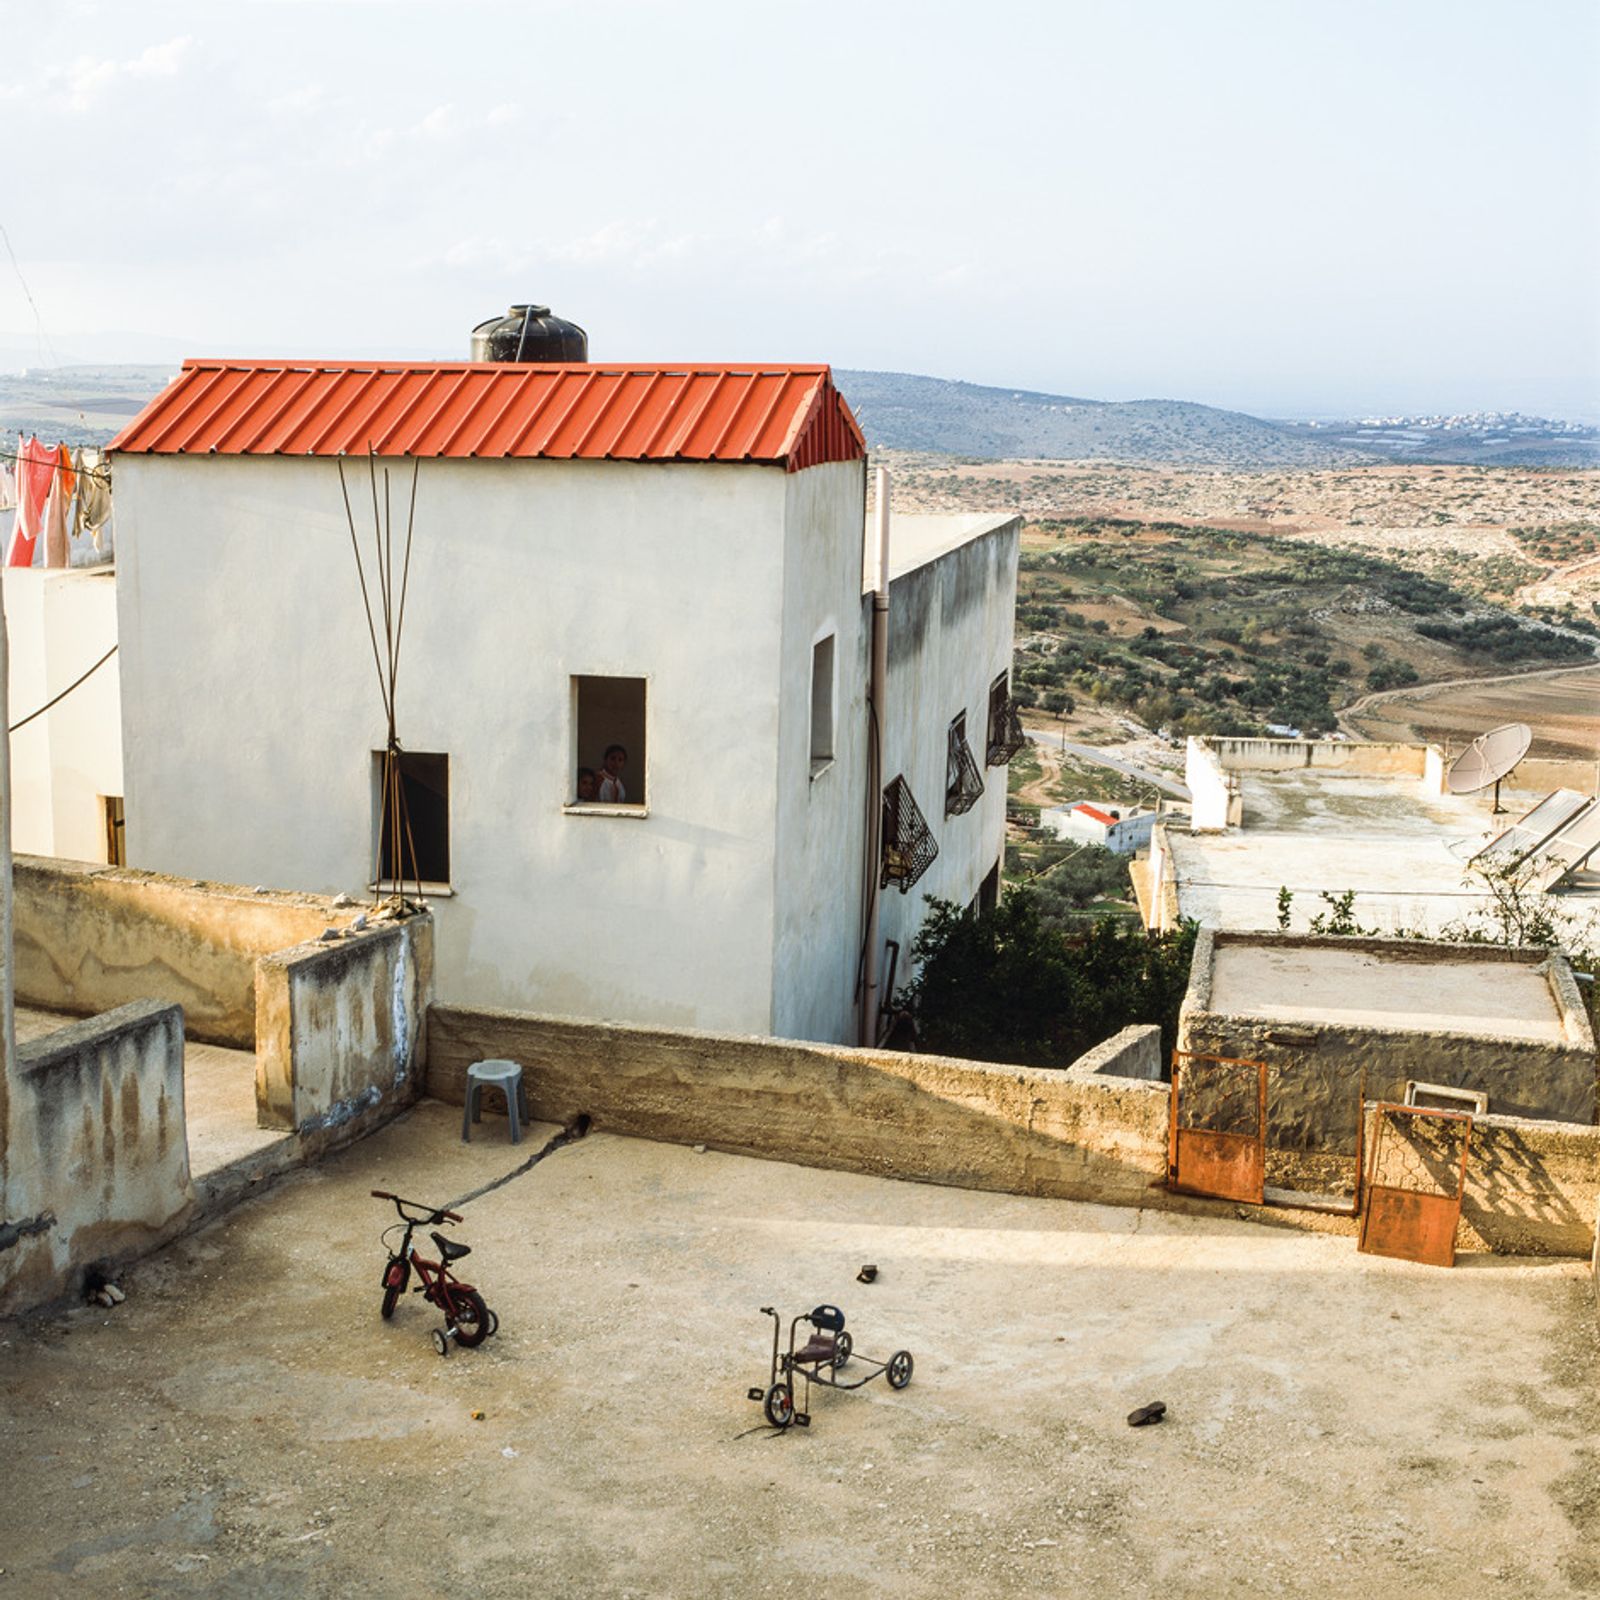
(80, 82)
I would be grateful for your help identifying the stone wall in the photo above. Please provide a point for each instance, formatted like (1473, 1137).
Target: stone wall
(89, 938)
(1318, 1065)
(340, 1035)
(1092, 1132)
(99, 1164)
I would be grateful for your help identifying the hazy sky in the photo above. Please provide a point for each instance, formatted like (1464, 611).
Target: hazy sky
(1291, 207)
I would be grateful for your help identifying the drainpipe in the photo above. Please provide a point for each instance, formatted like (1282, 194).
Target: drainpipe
(8, 1028)
(875, 723)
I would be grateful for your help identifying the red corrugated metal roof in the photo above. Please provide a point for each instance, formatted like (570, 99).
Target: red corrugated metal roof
(1094, 812)
(780, 415)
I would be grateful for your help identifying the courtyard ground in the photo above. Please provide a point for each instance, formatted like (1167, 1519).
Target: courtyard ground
(245, 1425)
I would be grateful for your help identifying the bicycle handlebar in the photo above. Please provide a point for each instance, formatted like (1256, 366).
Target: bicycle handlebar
(431, 1213)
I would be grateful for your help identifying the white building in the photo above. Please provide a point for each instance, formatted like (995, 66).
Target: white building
(1115, 828)
(66, 755)
(669, 559)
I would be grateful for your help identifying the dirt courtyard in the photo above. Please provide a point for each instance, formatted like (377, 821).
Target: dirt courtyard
(247, 1426)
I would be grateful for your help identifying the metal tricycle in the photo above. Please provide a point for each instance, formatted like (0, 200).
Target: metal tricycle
(824, 1353)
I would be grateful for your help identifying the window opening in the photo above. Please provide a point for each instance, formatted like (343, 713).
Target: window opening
(609, 716)
(415, 846)
(116, 830)
(1005, 724)
(963, 782)
(908, 847)
(821, 704)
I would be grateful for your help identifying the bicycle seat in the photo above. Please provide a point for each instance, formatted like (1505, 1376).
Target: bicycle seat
(449, 1249)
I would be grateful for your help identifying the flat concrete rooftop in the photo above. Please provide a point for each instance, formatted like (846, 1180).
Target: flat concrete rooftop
(915, 540)
(1404, 853)
(1503, 999)
(1338, 1424)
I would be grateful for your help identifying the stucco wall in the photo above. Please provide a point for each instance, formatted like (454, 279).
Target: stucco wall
(523, 574)
(98, 1162)
(820, 819)
(92, 937)
(339, 1030)
(1071, 1134)
(949, 638)
(1318, 1064)
(60, 622)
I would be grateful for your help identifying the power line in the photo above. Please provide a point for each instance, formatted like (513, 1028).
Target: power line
(45, 347)
(65, 692)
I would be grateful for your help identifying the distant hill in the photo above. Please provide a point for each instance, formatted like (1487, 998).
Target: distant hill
(901, 411)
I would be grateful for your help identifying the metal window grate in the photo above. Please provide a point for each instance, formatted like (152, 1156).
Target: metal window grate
(1005, 725)
(908, 848)
(963, 781)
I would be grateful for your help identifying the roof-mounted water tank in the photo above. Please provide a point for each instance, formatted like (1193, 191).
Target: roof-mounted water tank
(529, 333)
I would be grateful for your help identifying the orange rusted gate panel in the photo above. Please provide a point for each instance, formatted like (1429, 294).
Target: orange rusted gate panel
(1417, 1176)
(1217, 1129)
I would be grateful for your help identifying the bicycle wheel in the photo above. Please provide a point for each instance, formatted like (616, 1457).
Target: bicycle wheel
(392, 1293)
(471, 1317)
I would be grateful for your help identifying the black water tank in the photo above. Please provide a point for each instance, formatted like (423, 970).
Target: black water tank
(529, 333)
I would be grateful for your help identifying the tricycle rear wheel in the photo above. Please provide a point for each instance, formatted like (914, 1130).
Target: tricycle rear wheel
(899, 1369)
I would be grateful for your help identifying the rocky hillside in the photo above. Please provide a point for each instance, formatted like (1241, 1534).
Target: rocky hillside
(899, 410)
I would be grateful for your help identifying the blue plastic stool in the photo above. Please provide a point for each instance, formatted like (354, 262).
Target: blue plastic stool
(505, 1076)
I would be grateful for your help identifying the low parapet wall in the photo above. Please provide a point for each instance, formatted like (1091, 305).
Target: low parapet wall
(90, 938)
(1532, 1187)
(340, 1035)
(1091, 1132)
(97, 1157)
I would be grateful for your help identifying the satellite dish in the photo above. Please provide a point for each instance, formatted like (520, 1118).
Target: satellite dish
(1488, 759)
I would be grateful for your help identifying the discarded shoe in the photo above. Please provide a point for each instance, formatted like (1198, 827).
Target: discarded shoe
(1145, 1415)
(867, 1274)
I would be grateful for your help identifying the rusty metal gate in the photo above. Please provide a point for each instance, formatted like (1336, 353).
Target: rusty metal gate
(1217, 1129)
(1416, 1177)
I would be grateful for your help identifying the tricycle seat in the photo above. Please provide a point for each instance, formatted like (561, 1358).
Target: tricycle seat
(819, 1347)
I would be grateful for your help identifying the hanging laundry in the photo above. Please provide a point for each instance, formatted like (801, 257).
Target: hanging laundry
(8, 487)
(93, 508)
(36, 470)
(58, 509)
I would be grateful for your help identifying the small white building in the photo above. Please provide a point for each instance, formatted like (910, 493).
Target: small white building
(666, 559)
(1113, 827)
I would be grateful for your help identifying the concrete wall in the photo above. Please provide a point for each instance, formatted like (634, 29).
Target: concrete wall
(523, 575)
(97, 1162)
(950, 624)
(340, 1037)
(821, 817)
(90, 937)
(1318, 1065)
(1532, 1187)
(1072, 1134)
(60, 622)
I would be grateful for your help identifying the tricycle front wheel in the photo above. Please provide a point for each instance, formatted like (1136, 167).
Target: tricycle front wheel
(779, 1405)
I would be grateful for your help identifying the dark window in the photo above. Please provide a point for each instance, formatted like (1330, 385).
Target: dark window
(908, 848)
(116, 831)
(821, 704)
(1005, 724)
(963, 782)
(989, 890)
(413, 818)
(609, 715)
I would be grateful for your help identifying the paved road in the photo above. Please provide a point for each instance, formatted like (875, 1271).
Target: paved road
(1089, 752)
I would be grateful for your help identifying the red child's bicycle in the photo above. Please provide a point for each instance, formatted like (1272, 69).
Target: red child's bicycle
(467, 1320)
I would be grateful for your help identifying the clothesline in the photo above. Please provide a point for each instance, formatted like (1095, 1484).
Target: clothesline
(102, 472)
